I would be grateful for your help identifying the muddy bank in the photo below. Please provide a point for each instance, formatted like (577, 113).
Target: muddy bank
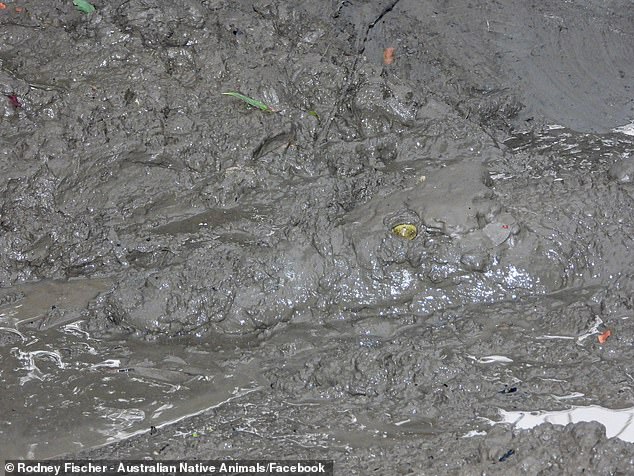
(157, 232)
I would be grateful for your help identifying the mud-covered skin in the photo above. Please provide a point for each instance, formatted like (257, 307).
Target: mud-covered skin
(466, 253)
(140, 204)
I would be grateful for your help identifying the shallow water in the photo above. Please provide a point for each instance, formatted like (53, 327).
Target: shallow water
(100, 394)
(65, 390)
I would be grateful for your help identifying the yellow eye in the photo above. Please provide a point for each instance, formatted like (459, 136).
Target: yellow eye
(405, 230)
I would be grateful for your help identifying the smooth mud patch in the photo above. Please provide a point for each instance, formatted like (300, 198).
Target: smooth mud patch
(185, 276)
(97, 390)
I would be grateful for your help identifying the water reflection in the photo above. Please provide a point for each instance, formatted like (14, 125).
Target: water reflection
(618, 423)
(64, 390)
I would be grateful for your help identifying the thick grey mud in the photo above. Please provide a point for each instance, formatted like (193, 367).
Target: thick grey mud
(185, 276)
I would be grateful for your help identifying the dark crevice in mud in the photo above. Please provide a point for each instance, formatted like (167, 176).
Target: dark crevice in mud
(373, 23)
(348, 89)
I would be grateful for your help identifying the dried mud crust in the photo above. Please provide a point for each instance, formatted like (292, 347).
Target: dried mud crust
(124, 162)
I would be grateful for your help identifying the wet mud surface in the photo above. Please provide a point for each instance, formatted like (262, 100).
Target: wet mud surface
(404, 267)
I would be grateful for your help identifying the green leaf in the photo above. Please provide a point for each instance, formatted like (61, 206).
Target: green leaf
(83, 6)
(250, 101)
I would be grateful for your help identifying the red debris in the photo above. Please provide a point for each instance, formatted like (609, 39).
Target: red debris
(13, 99)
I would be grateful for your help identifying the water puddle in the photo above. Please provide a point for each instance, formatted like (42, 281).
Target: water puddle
(64, 390)
(618, 423)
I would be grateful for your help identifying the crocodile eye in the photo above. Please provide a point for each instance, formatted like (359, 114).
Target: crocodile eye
(405, 230)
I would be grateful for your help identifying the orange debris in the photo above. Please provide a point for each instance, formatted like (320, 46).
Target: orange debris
(388, 55)
(2, 6)
(603, 337)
